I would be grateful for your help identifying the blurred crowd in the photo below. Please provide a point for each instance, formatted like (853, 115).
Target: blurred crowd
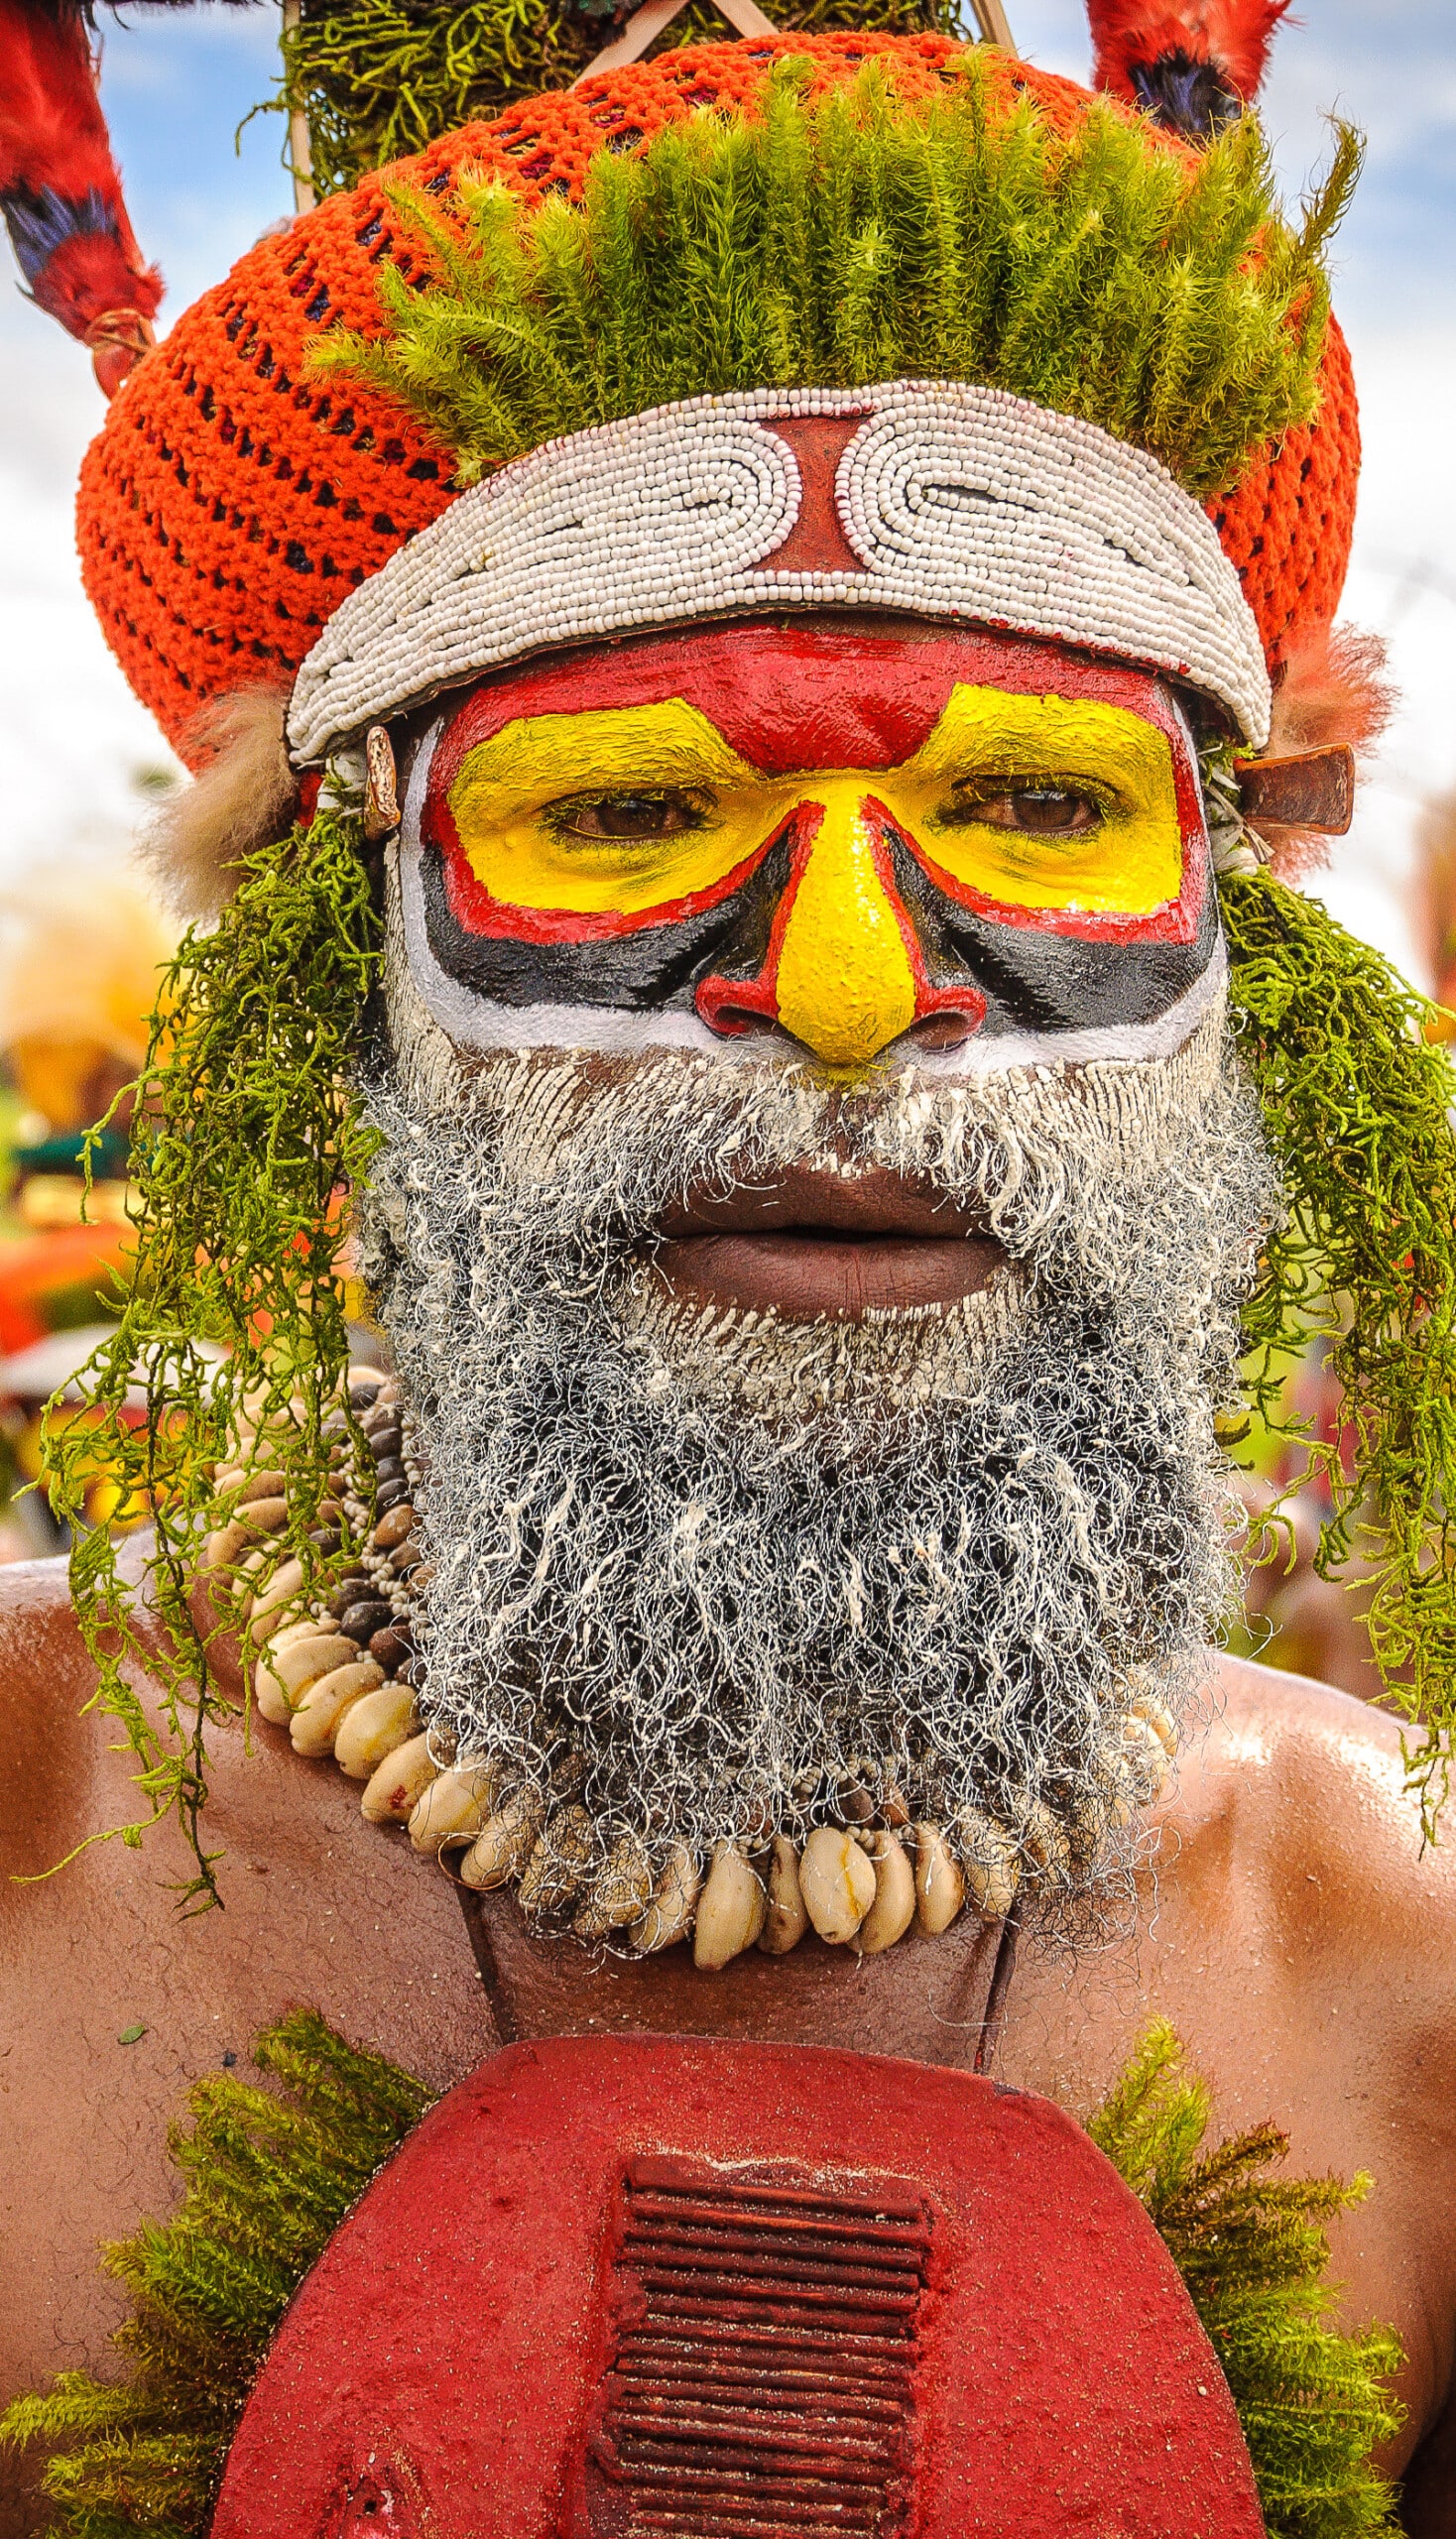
(82, 947)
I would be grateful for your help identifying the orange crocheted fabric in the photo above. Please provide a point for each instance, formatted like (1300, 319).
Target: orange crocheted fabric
(229, 503)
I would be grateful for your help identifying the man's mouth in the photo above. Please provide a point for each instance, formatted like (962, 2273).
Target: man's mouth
(816, 1242)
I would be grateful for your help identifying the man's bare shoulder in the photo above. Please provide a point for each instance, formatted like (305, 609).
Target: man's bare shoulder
(59, 1742)
(1306, 1796)
(45, 1681)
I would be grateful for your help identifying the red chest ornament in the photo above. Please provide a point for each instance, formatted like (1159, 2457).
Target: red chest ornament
(685, 2290)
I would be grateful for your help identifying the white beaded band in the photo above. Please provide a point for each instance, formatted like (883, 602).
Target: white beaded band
(951, 502)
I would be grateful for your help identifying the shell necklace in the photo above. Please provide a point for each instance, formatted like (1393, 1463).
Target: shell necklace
(343, 1678)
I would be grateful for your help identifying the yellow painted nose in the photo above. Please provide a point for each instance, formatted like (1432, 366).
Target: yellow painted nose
(845, 985)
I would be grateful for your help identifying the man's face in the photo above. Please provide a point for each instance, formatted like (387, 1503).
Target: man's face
(872, 851)
(814, 1195)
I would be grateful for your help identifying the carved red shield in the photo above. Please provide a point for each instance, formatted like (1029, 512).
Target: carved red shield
(646, 2290)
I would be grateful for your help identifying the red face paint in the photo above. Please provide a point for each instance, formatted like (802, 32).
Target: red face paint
(793, 695)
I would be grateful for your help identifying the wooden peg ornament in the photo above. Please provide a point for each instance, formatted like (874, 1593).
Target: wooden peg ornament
(1313, 791)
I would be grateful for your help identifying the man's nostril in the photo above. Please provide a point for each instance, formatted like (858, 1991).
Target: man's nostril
(741, 1021)
(737, 1007)
(947, 1030)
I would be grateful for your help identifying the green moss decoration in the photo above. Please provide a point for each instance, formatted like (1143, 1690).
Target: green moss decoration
(267, 2184)
(854, 238)
(1357, 1107)
(246, 1128)
(1252, 2250)
(377, 80)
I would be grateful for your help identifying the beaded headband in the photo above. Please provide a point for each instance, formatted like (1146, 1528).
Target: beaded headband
(936, 498)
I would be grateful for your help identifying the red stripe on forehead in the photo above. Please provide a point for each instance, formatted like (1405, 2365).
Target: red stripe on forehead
(803, 693)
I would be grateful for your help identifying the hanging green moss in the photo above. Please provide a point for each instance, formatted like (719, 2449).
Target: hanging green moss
(377, 80)
(246, 1135)
(267, 2184)
(853, 238)
(1252, 2250)
(1357, 1107)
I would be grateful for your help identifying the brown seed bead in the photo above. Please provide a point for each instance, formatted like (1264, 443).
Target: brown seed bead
(854, 1803)
(360, 1622)
(394, 1527)
(385, 1439)
(392, 1648)
(406, 1557)
(392, 1494)
(349, 1591)
(390, 1468)
(757, 1824)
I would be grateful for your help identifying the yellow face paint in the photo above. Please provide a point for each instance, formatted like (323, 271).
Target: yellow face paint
(845, 984)
(516, 794)
(1128, 861)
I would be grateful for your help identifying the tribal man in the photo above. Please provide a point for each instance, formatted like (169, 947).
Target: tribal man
(757, 635)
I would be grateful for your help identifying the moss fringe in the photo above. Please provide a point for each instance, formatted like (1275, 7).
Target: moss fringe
(1252, 2251)
(246, 1128)
(855, 238)
(267, 2185)
(379, 79)
(1357, 1106)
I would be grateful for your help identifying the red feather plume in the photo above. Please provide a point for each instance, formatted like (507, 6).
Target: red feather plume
(1142, 46)
(59, 193)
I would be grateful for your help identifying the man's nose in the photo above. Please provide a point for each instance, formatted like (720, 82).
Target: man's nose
(844, 972)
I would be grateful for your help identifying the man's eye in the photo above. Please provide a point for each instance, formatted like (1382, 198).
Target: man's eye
(628, 815)
(1035, 810)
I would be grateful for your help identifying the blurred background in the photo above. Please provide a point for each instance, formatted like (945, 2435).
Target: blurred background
(81, 760)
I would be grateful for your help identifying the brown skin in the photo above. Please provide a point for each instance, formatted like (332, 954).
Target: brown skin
(1290, 1928)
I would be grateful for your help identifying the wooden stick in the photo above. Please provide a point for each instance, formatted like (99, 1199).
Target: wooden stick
(301, 150)
(995, 27)
(647, 21)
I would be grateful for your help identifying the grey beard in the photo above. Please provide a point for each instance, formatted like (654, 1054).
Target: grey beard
(705, 1599)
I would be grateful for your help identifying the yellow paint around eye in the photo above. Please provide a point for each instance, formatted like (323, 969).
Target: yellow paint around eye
(1130, 863)
(505, 787)
(845, 984)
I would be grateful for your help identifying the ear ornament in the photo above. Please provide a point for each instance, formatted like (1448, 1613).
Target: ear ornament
(381, 784)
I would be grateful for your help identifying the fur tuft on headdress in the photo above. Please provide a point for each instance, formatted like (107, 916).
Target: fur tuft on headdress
(243, 798)
(1334, 688)
(1193, 65)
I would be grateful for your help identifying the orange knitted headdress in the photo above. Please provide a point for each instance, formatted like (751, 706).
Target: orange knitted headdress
(236, 496)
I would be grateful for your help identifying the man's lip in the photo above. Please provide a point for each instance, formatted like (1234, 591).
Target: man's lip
(821, 1243)
(819, 1201)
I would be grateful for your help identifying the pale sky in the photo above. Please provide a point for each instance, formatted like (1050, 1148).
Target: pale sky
(176, 83)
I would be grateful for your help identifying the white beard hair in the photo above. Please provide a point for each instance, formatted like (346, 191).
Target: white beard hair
(724, 1575)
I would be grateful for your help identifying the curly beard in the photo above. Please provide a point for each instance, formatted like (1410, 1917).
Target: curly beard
(724, 1564)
